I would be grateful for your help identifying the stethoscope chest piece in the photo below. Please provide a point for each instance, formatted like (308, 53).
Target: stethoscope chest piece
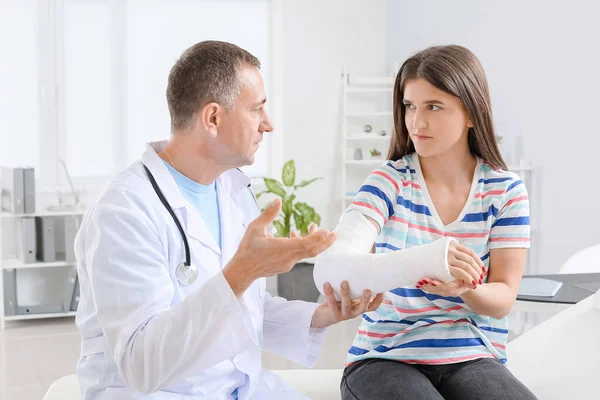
(186, 274)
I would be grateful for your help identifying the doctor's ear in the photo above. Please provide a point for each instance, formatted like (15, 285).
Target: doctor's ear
(209, 117)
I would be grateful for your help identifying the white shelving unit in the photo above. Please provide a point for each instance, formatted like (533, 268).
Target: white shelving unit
(9, 262)
(365, 101)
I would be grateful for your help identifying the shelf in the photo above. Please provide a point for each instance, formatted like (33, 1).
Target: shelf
(375, 80)
(365, 162)
(368, 137)
(368, 90)
(370, 114)
(518, 168)
(4, 214)
(40, 316)
(18, 264)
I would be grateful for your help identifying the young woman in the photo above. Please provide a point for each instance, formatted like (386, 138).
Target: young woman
(445, 178)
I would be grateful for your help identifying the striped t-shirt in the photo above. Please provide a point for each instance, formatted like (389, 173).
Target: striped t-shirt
(416, 327)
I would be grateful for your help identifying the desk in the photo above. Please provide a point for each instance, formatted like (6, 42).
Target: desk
(558, 359)
(566, 296)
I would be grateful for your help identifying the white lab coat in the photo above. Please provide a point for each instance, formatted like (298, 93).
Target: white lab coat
(146, 336)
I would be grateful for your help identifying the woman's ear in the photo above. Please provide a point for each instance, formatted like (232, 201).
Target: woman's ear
(469, 123)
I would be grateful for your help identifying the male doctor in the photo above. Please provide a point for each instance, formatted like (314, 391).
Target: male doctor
(154, 326)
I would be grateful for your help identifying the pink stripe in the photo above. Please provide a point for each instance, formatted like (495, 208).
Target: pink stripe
(503, 347)
(386, 176)
(419, 227)
(377, 335)
(363, 204)
(488, 193)
(491, 166)
(448, 360)
(411, 311)
(516, 199)
(469, 235)
(393, 182)
(437, 323)
(454, 308)
(509, 239)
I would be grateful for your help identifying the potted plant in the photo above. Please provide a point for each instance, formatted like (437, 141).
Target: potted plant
(298, 284)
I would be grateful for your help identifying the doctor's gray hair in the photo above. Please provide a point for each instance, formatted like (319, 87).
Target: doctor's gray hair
(205, 73)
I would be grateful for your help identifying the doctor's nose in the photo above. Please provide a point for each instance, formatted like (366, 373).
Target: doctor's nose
(266, 125)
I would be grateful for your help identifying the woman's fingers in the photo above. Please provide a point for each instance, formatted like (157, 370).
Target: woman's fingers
(463, 276)
(468, 268)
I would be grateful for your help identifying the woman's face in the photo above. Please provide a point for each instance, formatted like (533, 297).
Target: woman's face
(436, 121)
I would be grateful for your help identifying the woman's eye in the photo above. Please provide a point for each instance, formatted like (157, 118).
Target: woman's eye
(410, 106)
(434, 107)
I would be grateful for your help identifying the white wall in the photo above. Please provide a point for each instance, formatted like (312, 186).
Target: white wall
(318, 38)
(543, 63)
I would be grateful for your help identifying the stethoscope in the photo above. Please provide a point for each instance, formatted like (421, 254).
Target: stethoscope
(186, 273)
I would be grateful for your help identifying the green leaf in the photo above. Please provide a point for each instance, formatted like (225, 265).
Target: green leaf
(257, 195)
(288, 175)
(306, 183)
(281, 231)
(274, 187)
(298, 220)
(287, 204)
(308, 214)
(317, 219)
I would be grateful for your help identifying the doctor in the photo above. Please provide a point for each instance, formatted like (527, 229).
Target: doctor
(172, 258)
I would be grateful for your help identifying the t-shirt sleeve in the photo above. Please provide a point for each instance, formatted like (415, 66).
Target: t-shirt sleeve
(378, 195)
(511, 227)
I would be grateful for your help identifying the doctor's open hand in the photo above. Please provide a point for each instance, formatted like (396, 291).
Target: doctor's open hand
(261, 255)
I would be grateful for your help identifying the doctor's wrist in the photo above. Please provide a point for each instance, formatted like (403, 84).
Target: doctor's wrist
(237, 277)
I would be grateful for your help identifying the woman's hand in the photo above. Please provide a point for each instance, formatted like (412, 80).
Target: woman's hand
(465, 265)
(446, 289)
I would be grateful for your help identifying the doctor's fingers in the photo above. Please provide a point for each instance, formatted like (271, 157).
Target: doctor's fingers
(361, 306)
(261, 223)
(317, 242)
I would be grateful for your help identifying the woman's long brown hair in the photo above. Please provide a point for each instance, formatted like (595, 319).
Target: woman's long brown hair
(455, 70)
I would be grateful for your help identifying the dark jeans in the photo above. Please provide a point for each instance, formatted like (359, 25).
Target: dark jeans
(379, 379)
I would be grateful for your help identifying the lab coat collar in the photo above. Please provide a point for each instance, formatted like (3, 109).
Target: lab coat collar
(228, 184)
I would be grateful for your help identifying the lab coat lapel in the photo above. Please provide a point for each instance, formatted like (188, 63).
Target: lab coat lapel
(232, 223)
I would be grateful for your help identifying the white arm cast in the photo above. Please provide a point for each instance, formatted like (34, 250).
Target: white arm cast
(349, 259)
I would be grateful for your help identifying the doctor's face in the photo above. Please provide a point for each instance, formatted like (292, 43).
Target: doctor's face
(242, 129)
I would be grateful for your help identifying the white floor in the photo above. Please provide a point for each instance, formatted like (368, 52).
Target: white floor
(33, 354)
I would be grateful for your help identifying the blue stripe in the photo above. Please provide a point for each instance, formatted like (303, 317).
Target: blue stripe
(379, 193)
(496, 330)
(403, 170)
(404, 292)
(385, 321)
(511, 221)
(483, 216)
(435, 343)
(485, 257)
(512, 186)
(387, 246)
(357, 351)
(494, 180)
(417, 208)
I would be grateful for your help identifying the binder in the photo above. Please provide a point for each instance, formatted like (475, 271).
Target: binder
(70, 289)
(10, 292)
(12, 190)
(72, 223)
(29, 190)
(45, 239)
(27, 244)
